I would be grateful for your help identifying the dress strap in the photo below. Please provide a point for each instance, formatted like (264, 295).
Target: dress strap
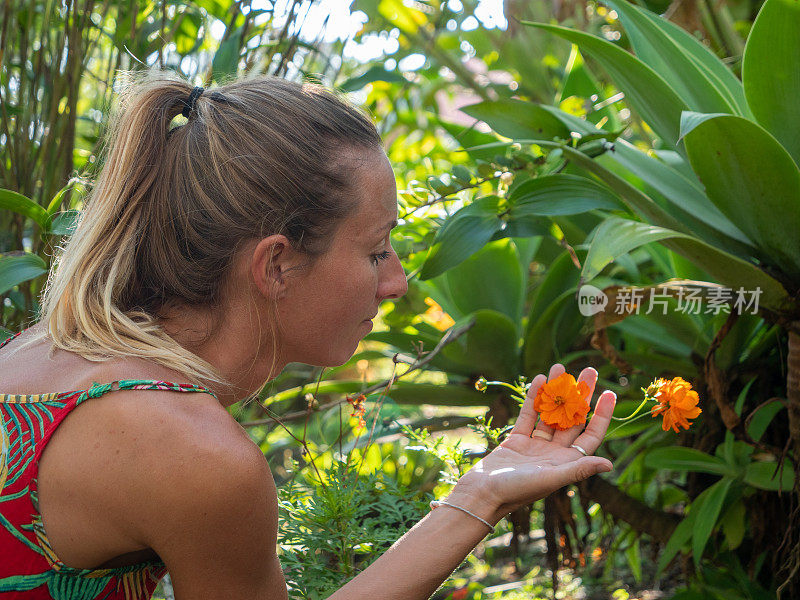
(7, 340)
(99, 389)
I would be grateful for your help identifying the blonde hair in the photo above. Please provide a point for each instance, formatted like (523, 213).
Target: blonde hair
(172, 204)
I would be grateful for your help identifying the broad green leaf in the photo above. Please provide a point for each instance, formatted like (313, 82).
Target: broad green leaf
(634, 558)
(681, 536)
(655, 46)
(560, 194)
(769, 475)
(489, 347)
(734, 524)
(752, 180)
(685, 194)
(762, 417)
(374, 73)
(725, 268)
(615, 237)
(518, 119)
(16, 202)
(492, 278)
(463, 233)
(770, 74)
(707, 517)
(470, 140)
(226, 59)
(678, 458)
(645, 91)
(18, 268)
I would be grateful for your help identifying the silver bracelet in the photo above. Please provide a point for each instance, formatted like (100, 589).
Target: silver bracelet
(435, 503)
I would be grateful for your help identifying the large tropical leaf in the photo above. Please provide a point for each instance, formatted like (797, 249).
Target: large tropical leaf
(645, 90)
(463, 234)
(685, 194)
(16, 269)
(559, 194)
(517, 118)
(751, 178)
(770, 74)
(697, 75)
(16, 202)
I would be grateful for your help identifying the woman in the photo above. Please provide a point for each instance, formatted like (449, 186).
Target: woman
(215, 251)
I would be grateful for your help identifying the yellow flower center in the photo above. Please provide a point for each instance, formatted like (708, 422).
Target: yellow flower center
(559, 400)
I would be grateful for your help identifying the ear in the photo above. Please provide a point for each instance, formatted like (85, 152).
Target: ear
(271, 260)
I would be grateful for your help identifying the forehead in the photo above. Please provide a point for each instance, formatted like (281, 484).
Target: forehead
(374, 194)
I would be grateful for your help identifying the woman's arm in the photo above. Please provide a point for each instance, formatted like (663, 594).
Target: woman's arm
(521, 470)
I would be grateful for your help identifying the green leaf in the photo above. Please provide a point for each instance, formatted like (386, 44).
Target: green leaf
(762, 416)
(733, 524)
(463, 234)
(374, 73)
(645, 90)
(226, 59)
(560, 194)
(707, 517)
(680, 537)
(18, 268)
(492, 278)
(634, 558)
(16, 202)
(770, 74)
(489, 347)
(617, 236)
(769, 475)
(678, 458)
(518, 119)
(685, 194)
(655, 45)
(752, 180)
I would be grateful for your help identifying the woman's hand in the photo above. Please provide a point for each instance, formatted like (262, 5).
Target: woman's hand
(523, 469)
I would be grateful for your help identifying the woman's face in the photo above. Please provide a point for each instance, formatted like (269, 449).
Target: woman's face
(328, 307)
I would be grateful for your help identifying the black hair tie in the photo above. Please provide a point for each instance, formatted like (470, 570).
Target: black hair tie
(188, 105)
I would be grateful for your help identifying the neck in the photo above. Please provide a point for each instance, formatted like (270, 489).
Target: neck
(232, 344)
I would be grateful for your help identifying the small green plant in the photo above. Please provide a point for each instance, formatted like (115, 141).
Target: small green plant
(333, 528)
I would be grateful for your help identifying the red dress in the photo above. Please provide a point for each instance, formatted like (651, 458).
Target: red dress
(29, 569)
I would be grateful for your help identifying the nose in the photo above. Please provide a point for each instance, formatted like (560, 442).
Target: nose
(393, 284)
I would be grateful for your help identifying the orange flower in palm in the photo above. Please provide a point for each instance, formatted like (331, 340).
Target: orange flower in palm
(677, 402)
(563, 402)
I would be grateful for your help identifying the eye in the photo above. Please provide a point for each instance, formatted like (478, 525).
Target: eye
(379, 257)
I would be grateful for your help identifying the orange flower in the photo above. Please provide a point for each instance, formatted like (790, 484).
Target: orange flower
(358, 408)
(677, 401)
(563, 402)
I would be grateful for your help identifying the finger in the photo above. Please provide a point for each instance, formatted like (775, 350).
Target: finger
(527, 415)
(555, 371)
(567, 437)
(578, 470)
(591, 439)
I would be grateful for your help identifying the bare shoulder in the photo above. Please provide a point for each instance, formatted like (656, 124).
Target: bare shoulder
(182, 477)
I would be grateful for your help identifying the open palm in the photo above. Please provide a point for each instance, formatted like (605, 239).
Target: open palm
(526, 467)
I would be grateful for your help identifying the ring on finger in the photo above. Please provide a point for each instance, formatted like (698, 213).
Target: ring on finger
(579, 449)
(542, 434)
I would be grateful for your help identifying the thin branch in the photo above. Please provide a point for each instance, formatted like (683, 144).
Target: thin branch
(414, 365)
